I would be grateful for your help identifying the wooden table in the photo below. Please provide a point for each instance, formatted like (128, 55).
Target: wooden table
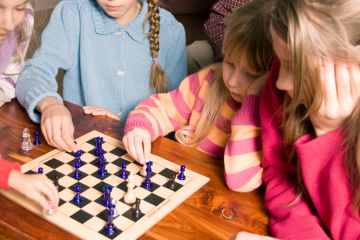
(213, 212)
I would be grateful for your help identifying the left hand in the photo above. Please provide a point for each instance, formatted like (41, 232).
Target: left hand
(250, 236)
(341, 88)
(100, 111)
(257, 86)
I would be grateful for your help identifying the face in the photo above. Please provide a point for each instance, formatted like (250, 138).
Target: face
(123, 11)
(238, 77)
(12, 13)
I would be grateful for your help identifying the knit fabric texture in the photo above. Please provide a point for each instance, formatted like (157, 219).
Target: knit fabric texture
(235, 137)
(106, 64)
(11, 63)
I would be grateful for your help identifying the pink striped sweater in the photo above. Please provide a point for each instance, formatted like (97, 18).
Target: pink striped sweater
(238, 141)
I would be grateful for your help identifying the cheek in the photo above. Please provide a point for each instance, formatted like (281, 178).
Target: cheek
(19, 17)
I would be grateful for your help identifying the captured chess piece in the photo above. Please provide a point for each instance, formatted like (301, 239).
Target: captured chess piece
(129, 197)
(76, 173)
(26, 144)
(40, 170)
(56, 182)
(123, 173)
(107, 197)
(110, 228)
(49, 211)
(77, 198)
(37, 140)
(137, 211)
(78, 158)
(181, 176)
(171, 184)
(147, 184)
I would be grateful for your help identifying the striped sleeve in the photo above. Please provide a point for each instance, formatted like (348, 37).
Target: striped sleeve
(12, 72)
(243, 152)
(168, 112)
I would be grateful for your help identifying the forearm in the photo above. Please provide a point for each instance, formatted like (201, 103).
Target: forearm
(6, 169)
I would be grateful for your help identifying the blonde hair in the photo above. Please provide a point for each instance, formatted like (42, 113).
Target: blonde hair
(313, 30)
(246, 33)
(158, 79)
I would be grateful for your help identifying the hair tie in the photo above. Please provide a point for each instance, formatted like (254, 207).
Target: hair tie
(155, 59)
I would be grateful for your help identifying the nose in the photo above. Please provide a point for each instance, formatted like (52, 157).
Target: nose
(7, 22)
(235, 79)
(285, 83)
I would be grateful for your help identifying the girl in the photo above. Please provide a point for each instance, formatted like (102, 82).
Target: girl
(16, 22)
(115, 53)
(310, 120)
(217, 109)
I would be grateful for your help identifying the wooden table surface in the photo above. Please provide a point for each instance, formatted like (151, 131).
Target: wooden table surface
(213, 212)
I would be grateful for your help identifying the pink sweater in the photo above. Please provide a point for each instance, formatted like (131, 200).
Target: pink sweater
(5, 170)
(328, 214)
(238, 141)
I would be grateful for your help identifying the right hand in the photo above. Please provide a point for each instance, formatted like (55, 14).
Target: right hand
(36, 187)
(138, 144)
(257, 87)
(56, 124)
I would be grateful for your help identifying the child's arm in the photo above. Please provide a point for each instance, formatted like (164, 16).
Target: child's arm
(36, 186)
(243, 155)
(164, 113)
(9, 77)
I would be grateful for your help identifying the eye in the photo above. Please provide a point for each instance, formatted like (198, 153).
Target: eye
(227, 62)
(253, 75)
(20, 9)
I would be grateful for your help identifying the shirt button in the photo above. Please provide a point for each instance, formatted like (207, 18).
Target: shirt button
(118, 33)
(120, 113)
(120, 72)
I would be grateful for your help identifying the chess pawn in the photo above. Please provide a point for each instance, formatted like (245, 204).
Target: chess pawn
(49, 211)
(78, 158)
(123, 173)
(40, 170)
(76, 173)
(26, 144)
(181, 176)
(143, 170)
(129, 197)
(37, 140)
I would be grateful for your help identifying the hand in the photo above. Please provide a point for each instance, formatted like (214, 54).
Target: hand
(56, 124)
(100, 111)
(36, 187)
(138, 144)
(249, 236)
(257, 86)
(341, 88)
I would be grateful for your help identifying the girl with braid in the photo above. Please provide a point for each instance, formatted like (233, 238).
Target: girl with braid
(115, 53)
(217, 109)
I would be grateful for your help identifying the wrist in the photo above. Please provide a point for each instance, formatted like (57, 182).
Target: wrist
(13, 179)
(46, 102)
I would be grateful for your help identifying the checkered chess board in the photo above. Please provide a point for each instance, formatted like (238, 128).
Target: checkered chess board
(87, 219)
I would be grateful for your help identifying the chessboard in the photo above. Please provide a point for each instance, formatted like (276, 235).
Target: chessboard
(87, 219)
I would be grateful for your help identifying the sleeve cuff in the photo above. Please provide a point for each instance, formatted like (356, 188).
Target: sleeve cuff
(139, 124)
(250, 105)
(5, 170)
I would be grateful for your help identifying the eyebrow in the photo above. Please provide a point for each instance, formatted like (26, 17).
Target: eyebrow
(23, 3)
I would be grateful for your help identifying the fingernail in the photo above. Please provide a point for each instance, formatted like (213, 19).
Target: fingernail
(69, 151)
(327, 59)
(94, 111)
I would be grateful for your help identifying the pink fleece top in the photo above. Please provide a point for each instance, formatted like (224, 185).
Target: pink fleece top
(328, 214)
(5, 170)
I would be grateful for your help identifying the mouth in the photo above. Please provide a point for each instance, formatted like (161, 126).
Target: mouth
(3, 35)
(113, 8)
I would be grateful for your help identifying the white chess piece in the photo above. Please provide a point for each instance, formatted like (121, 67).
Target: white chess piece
(143, 170)
(26, 144)
(116, 212)
(129, 196)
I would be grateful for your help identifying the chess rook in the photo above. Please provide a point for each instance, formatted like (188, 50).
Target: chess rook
(107, 198)
(77, 198)
(147, 183)
(98, 149)
(37, 140)
(110, 228)
(181, 176)
(123, 173)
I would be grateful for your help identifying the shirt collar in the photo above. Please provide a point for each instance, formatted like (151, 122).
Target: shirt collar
(106, 25)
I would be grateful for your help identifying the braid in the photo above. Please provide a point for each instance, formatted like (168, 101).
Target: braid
(158, 79)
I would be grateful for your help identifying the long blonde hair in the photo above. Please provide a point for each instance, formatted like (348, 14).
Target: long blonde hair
(158, 78)
(247, 32)
(313, 30)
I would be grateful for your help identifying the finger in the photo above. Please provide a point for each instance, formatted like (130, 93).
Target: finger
(138, 143)
(67, 137)
(147, 147)
(131, 146)
(58, 137)
(44, 132)
(99, 112)
(40, 199)
(53, 196)
(343, 84)
(112, 115)
(355, 80)
(330, 94)
(50, 132)
(124, 140)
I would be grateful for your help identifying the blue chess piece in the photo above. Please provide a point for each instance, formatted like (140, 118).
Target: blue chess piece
(40, 170)
(123, 173)
(77, 198)
(102, 171)
(37, 140)
(98, 149)
(181, 176)
(78, 159)
(110, 228)
(106, 201)
(76, 173)
(147, 184)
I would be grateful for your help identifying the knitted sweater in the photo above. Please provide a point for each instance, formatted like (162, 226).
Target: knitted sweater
(5, 170)
(10, 64)
(237, 141)
(106, 64)
(328, 213)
